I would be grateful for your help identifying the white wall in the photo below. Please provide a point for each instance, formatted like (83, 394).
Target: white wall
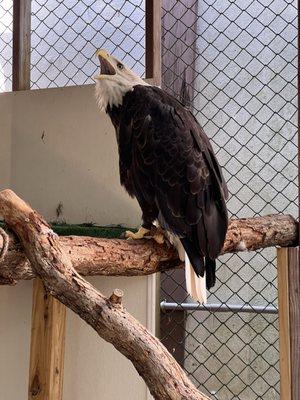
(57, 148)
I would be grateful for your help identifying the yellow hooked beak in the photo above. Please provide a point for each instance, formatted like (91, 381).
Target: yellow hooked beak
(106, 66)
(102, 53)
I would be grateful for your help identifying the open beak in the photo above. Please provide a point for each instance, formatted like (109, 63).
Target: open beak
(105, 65)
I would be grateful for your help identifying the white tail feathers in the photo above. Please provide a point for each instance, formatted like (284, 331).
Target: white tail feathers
(195, 286)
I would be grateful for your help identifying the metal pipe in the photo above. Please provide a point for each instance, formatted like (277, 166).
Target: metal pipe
(234, 308)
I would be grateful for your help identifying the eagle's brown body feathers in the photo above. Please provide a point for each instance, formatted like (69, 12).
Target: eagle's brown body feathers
(168, 164)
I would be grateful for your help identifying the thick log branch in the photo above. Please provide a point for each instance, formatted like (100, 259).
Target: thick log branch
(164, 377)
(97, 256)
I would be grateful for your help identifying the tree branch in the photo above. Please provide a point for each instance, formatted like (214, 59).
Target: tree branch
(164, 377)
(97, 256)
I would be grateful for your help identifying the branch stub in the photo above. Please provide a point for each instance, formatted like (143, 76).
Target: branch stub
(116, 296)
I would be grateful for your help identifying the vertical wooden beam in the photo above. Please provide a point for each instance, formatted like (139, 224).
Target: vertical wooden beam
(180, 35)
(21, 44)
(47, 346)
(294, 299)
(174, 322)
(48, 315)
(284, 324)
(298, 98)
(153, 41)
(289, 322)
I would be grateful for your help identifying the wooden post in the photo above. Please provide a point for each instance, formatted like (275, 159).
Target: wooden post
(178, 77)
(47, 346)
(153, 41)
(179, 27)
(21, 44)
(284, 323)
(289, 321)
(48, 315)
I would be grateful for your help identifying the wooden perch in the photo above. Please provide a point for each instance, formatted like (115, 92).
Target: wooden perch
(97, 256)
(164, 377)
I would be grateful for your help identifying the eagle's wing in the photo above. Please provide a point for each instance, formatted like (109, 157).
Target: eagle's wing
(173, 163)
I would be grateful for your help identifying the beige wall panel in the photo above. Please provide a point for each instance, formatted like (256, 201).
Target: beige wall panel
(64, 151)
(15, 323)
(93, 367)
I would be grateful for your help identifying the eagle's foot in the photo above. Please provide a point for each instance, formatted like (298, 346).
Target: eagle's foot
(158, 237)
(156, 233)
(140, 234)
(143, 233)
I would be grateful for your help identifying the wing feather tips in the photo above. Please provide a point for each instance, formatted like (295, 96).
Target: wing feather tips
(195, 258)
(210, 269)
(216, 223)
(206, 242)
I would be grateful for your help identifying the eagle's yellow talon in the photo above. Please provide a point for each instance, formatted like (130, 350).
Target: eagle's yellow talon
(143, 233)
(140, 234)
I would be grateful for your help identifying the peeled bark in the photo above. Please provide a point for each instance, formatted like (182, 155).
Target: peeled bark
(98, 256)
(164, 377)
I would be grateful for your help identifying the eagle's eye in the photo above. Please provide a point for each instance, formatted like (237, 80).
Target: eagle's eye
(120, 66)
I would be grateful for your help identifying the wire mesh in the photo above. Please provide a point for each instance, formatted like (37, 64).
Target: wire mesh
(235, 64)
(5, 45)
(65, 35)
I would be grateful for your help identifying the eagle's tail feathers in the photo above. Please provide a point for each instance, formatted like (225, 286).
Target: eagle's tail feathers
(195, 285)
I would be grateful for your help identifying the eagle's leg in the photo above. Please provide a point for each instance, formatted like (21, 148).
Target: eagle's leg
(149, 229)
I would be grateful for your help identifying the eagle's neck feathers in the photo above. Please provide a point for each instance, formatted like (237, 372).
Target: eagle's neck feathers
(110, 92)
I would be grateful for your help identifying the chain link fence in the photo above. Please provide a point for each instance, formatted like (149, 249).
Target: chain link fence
(66, 34)
(6, 45)
(234, 63)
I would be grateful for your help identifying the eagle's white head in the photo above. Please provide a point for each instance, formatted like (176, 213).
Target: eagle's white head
(114, 81)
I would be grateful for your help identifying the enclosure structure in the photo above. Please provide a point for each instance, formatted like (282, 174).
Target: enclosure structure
(234, 64)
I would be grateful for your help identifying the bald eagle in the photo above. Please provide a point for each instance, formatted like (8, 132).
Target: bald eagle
(167, 163)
